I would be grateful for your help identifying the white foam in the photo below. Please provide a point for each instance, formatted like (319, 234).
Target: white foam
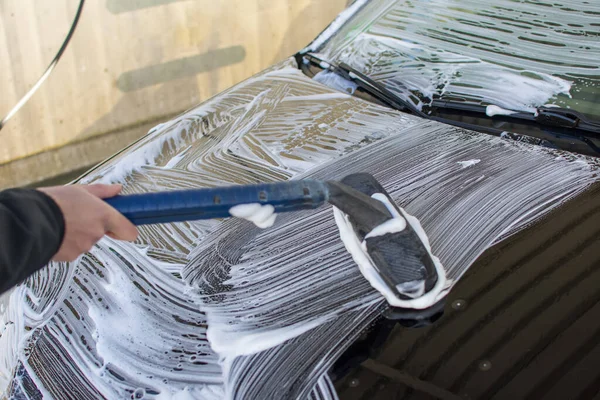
(175, 160)
(205, 392)
(262, 216)
(402, 50)
(393, 225)
(11, 335)
(230, 346)
(358, 251)
(412, 289)
(319, 97)
(335, 81)
(492, 110)
(469, 163)
(285, 278)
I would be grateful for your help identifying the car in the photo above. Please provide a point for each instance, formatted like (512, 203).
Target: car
(478, 118)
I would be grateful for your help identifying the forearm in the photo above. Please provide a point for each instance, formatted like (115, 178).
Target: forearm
(31, 231)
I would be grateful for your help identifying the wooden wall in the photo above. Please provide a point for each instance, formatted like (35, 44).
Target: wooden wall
(130, 65)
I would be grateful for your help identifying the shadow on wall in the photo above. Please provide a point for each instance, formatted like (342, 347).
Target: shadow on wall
(180, 68)
(184, 87)
(121, 6)
(179, 77)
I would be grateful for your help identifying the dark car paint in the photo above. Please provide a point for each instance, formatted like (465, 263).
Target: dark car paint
(415, 160)
(523, 323)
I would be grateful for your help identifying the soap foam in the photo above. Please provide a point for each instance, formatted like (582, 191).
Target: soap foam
(359, 253)
(262, 216)
(469, 163)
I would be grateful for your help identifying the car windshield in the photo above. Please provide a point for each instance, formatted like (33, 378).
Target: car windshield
(516, 55)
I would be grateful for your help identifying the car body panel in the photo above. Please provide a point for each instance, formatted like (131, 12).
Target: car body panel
(180, 279)
(219, 308)
(523, 323)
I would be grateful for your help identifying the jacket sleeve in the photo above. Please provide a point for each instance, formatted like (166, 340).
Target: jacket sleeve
(31, 232)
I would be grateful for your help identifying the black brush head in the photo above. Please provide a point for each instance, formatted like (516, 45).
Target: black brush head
(401, 258)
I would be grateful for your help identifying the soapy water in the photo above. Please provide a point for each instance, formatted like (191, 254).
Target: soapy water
(396, 224)
(515, 55)
(298, 273)
(221, 308)
(66, 330)
(359, 253)
(335, 81)
(492, 110)
(469, 163)
(263, 216)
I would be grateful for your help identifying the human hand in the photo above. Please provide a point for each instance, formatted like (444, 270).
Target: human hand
(88, 218)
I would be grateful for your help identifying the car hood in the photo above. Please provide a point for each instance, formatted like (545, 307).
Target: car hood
(522, 323)
(221, 308)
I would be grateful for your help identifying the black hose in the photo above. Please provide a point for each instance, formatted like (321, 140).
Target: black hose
(46, 73)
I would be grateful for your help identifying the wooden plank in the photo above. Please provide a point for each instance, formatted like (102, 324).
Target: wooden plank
(132, 61)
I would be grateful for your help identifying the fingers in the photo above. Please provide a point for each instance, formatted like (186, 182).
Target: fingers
(120, 228)
(88, 218)
(102, 191)
(116, 225)
(66, 256)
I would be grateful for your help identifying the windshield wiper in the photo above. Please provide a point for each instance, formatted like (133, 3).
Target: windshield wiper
(381, 93)
(375, 89)
(555, 117)
(557, 120)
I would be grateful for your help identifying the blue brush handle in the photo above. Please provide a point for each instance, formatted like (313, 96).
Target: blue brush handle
(187, 205)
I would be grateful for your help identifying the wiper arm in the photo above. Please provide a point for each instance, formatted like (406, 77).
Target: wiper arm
(367, 84)
(555, 117)
(565, 118)
(381, 93)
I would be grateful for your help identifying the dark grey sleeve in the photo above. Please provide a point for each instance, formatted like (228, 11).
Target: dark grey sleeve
(32, 228)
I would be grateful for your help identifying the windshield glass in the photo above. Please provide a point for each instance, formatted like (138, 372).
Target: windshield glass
(517, 55)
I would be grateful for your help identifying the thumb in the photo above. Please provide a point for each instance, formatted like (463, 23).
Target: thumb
(102, 191)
